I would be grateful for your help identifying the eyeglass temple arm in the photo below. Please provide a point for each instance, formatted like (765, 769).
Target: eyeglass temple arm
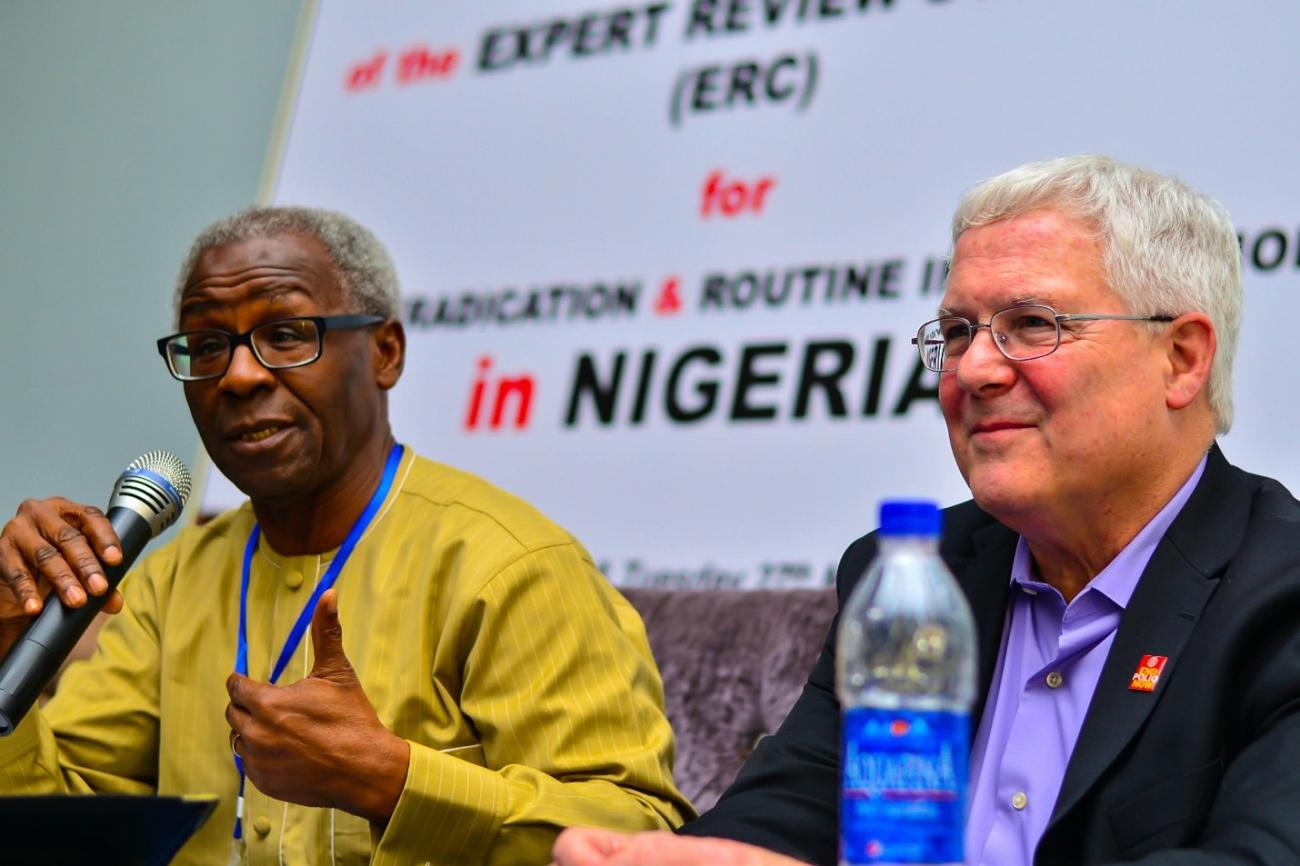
(350, 320)
(1117, 317)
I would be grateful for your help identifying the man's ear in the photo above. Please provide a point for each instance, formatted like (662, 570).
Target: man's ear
(1190, 344)
(388, 344)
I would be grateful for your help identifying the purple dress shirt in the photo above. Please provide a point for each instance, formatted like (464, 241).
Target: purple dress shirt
(1051, 657)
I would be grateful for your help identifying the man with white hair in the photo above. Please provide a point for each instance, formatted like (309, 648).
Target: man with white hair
(472, 684)
(1137, 597)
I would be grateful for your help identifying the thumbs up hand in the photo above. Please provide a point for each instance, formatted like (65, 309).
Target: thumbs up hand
(318, 742)
(327, 643)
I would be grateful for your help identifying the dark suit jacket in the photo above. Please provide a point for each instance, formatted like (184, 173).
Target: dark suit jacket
(1204, 770)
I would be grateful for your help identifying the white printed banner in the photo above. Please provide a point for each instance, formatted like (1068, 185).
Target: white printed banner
(661, 261)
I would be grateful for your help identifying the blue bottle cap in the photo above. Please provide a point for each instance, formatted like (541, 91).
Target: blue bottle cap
(909, 517)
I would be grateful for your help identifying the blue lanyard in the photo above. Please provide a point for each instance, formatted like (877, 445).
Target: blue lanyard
(304, 619)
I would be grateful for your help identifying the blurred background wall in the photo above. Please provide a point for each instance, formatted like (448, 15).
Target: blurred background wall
(124, 128)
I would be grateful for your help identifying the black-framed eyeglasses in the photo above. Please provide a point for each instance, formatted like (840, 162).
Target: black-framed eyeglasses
(193, 356)
(1022, 333)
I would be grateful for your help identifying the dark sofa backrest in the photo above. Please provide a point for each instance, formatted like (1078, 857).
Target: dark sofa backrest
(733, 663)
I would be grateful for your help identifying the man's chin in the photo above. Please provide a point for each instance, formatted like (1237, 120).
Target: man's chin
(260, 484)
(1005, 495)
(262, 490)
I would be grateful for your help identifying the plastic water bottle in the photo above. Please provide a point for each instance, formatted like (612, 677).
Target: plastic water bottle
(906, 679)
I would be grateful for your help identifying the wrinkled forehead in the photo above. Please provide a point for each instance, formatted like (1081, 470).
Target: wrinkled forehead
(279, 268)
(1042, 257)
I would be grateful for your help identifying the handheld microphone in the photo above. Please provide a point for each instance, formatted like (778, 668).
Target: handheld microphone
(147, 498)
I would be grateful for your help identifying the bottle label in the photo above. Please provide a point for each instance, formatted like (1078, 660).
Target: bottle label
(903, 786)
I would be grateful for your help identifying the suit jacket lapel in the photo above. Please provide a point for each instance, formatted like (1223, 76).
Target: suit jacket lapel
(1160, 616)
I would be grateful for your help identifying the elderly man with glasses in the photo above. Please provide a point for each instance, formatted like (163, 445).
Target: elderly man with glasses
(1137, 597)
(471, 685)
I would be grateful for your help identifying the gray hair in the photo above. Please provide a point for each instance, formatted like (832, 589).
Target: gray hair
(360, 261)
(1166, 248)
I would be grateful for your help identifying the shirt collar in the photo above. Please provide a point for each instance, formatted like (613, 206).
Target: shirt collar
(1119, 578)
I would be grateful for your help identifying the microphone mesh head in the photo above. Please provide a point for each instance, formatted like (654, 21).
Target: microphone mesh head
(155, 486)
(170, 467)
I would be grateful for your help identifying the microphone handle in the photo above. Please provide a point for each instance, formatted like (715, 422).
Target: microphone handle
(35, 657)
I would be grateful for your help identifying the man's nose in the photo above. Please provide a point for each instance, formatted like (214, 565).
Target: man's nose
(983, 366)
(245, 373)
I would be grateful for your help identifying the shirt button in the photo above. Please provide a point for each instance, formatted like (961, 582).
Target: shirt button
(1019, 801)
(293, 579)
(262, 826)
(1054, 680)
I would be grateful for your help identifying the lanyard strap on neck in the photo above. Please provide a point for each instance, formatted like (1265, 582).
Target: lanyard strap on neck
(304, 618)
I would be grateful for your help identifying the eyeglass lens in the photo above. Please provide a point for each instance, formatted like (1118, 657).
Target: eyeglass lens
(1021, 333)
(207, 354)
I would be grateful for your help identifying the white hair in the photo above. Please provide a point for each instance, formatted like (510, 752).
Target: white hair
(1166, 248)
(361, 263)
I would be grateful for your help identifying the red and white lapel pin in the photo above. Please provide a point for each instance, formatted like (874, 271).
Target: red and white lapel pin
(1147, 674)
